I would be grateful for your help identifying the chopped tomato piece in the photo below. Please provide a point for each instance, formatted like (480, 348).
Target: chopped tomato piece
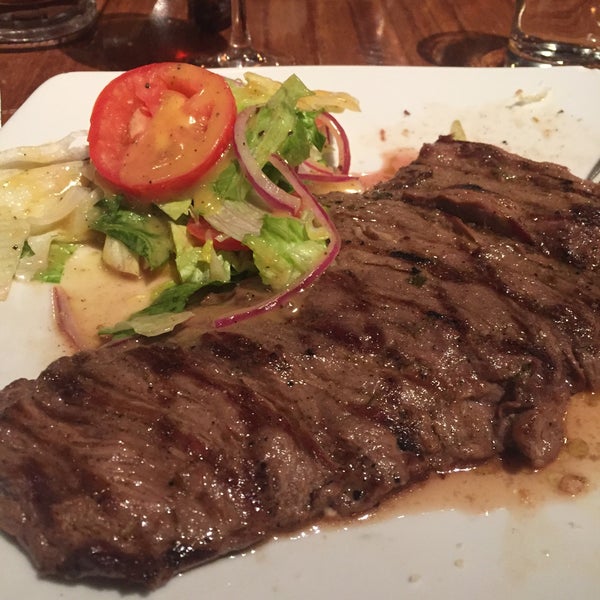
(155, 130)
(202, 231)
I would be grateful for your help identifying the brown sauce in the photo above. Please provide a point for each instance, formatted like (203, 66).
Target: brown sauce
(100, 297)
(391, 161)
(493, 486)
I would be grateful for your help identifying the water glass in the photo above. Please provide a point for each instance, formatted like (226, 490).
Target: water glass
(556, 32)
(38, 23)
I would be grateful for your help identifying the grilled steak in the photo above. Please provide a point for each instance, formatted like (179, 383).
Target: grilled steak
(460, 316)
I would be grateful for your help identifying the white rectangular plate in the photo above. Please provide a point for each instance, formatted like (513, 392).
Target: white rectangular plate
(551, 552)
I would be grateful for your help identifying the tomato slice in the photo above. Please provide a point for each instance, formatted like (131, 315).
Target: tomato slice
(202, 231)
(157, 129)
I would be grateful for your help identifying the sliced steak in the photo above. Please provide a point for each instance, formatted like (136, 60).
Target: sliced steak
(458, 319)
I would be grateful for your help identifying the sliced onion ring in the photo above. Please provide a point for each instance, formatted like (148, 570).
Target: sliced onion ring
(271, 193)
(311, 166)
(310, 170)
(336, 131)
(327, 177)
(307, 203)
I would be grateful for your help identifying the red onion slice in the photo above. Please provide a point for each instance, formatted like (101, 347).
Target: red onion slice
(336, 131)
(293, 204)
(278, 300)
(327, 177)
(310, 166)
(308, 203)
(65, 320)
(271, 193)
(310, 170)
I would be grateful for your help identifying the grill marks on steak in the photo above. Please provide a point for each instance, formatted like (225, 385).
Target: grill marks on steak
(175, 482)
(458, 319)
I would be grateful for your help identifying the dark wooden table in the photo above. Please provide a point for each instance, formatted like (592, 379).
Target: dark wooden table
(327, 32)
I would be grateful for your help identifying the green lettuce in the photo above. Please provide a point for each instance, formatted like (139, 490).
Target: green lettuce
(231, 184)
(162, 315)
(176, 208)
(147, 325)
(58, 255)
(279, 127)
(165, 312)
(146, 234)
(198, 264)
(284, 250)
(201, 270)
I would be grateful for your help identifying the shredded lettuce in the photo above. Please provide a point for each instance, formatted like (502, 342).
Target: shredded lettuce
(39, 204)
(198, 264)
(58, 255)
(277, 126)
(119, 257)
(13, 237)
(173, 298)
(305, 136)
(144, 234)
(258, 89)
(147, 325)
(284, 250)
(35, 257)
(231, 184)
(237, 219)
(177, 208)
(162, 315)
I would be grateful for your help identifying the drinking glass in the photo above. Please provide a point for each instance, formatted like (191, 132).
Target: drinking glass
(555, 32)
(239, 51)
(35, 23)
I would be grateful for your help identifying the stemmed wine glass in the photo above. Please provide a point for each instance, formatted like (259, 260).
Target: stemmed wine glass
(240, 52)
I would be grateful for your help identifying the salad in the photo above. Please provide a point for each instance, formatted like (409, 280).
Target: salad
(186, 178)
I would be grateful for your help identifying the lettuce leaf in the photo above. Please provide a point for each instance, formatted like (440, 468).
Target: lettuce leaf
(198, 264)
(284, 250)
(277, 126)
(147, 325)
(231, 184)
(165, 312)
(58, 255)
(258, 89)
(160, 316)
(144, 234)
(176, 208)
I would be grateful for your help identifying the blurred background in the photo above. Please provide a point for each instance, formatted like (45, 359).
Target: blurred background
(331, 32)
